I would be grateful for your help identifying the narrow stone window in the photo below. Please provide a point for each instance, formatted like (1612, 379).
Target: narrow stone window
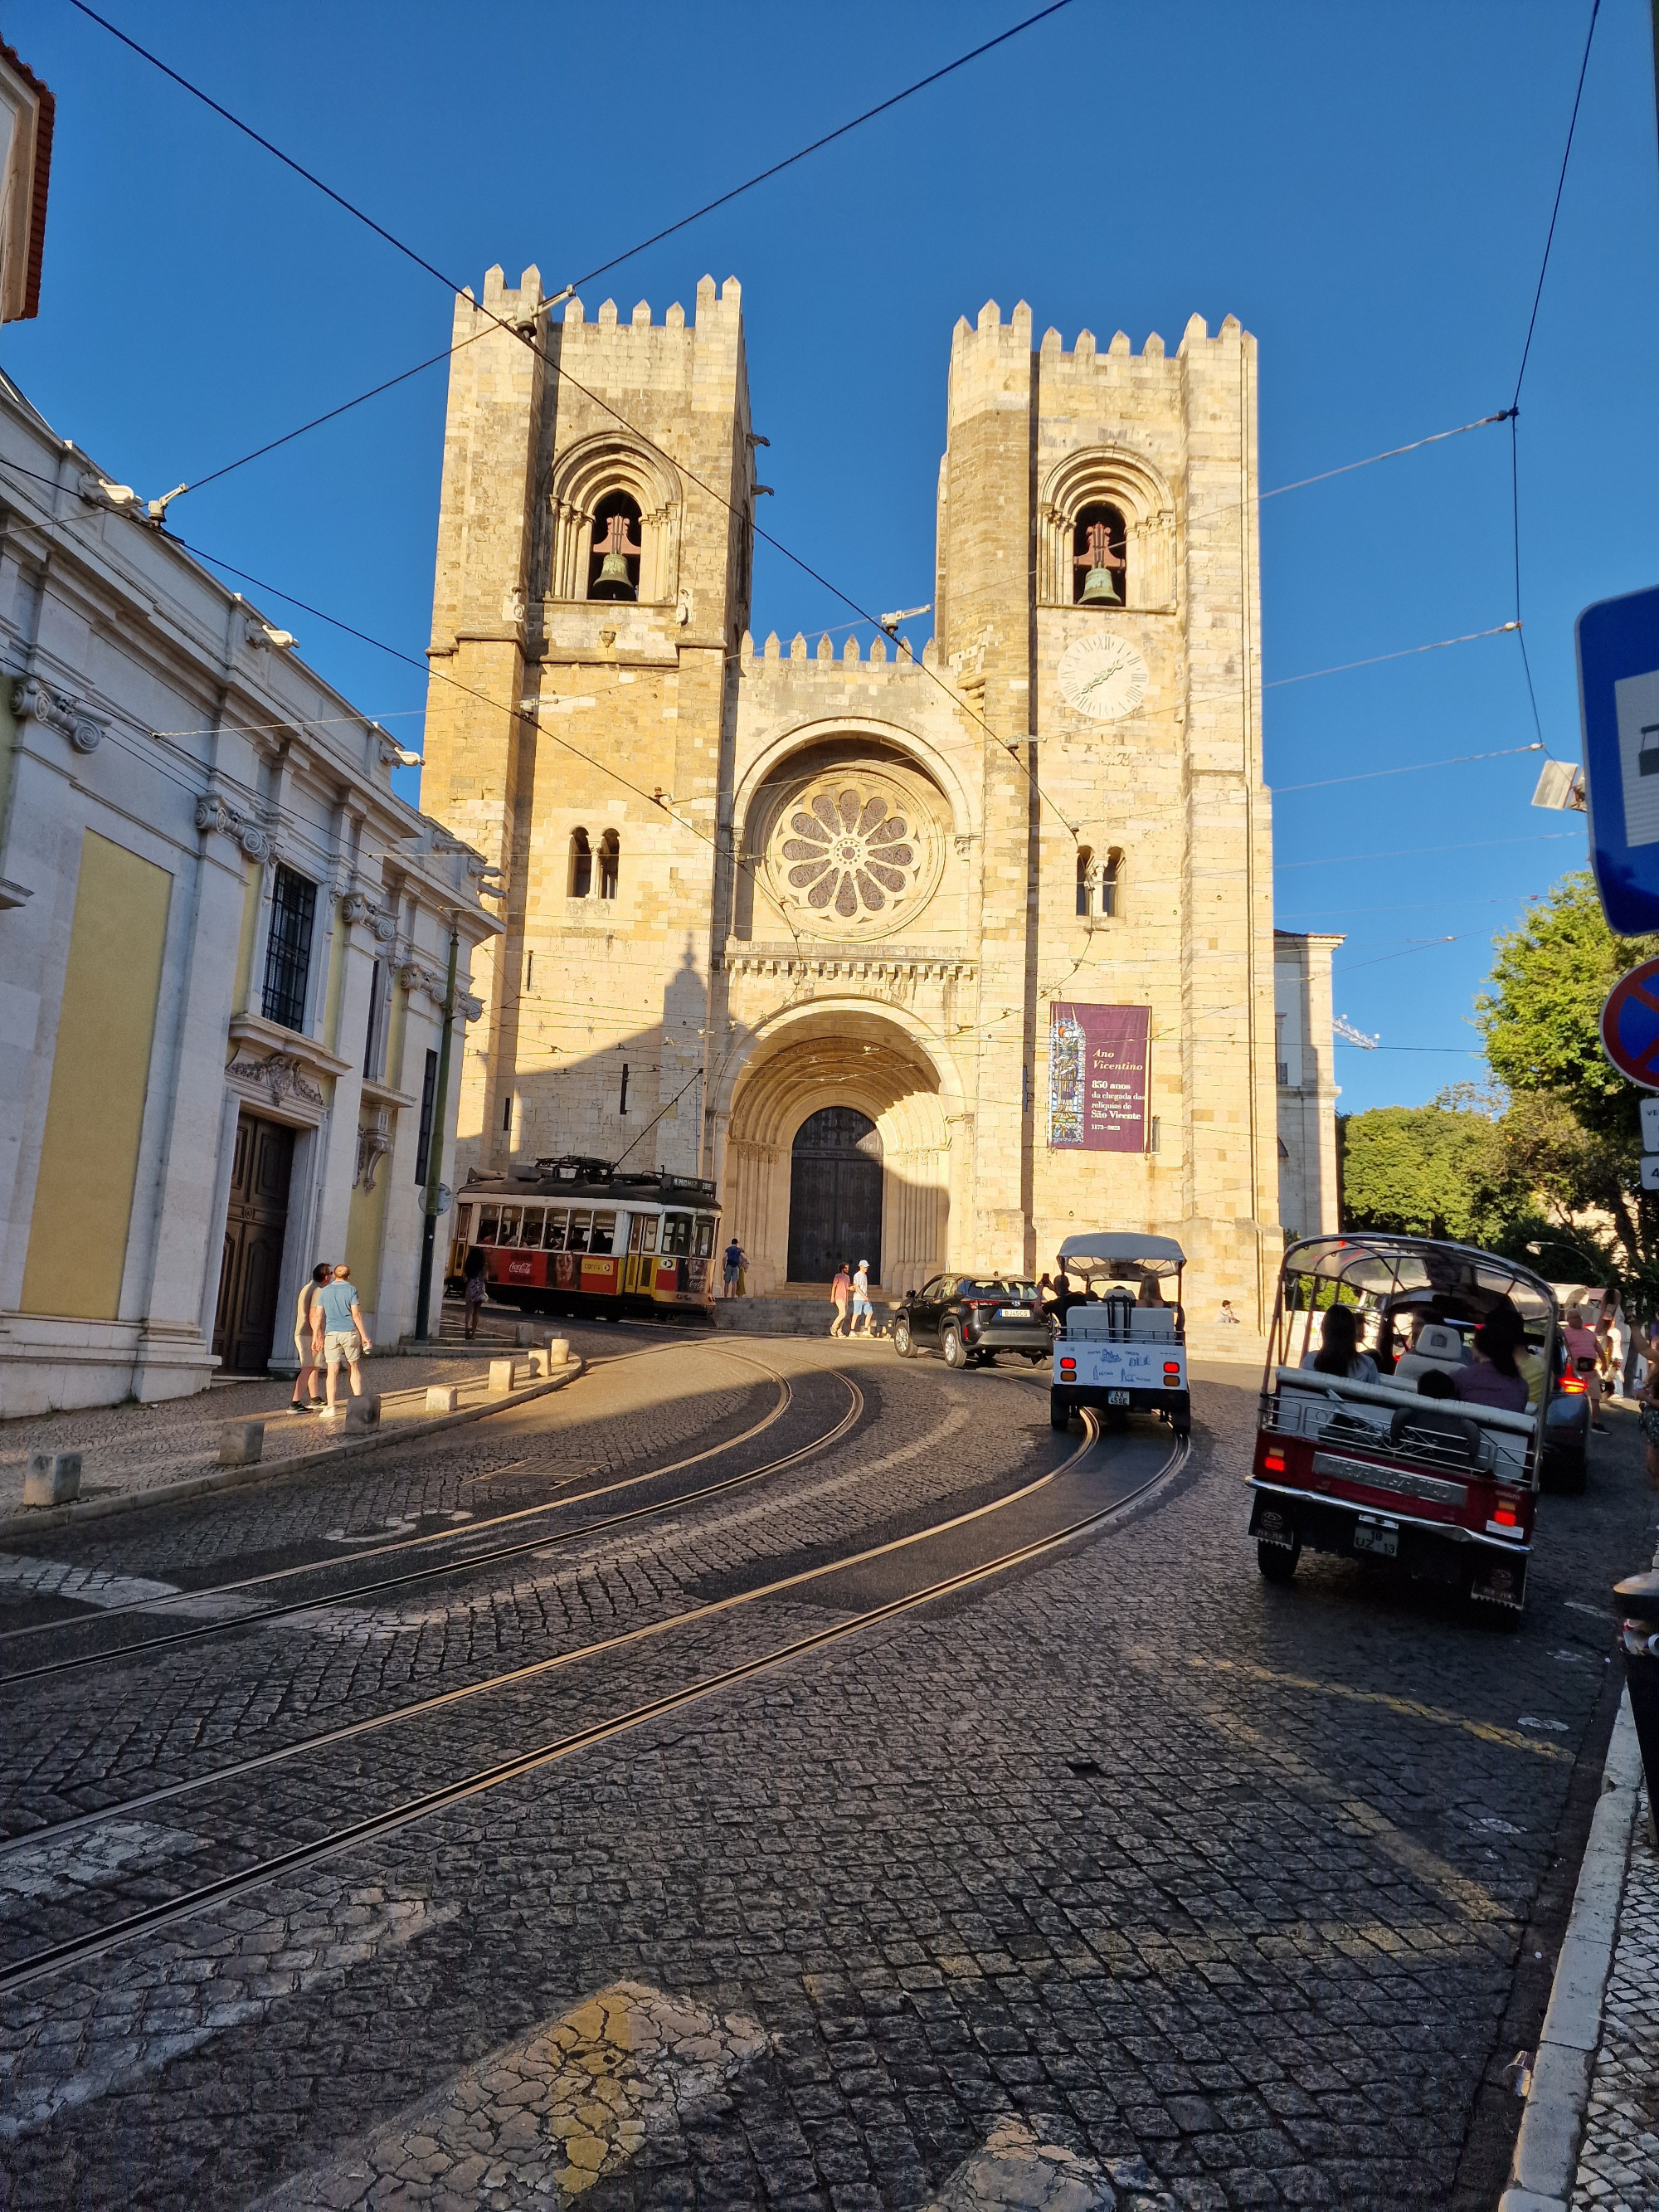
(609, 864)
(613, 567)
(287, 950)
(1085, 882)
(1111, 884)
(581, 865)
(622, 1102)
(1100, 569)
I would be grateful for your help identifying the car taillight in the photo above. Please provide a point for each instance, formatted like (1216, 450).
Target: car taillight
(1572, 1388)
(1505, 1518)
(1273, 1462)
(1068, 1367)
(1172, 1367)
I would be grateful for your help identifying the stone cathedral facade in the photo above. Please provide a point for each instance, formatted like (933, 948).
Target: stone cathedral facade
(946, 955)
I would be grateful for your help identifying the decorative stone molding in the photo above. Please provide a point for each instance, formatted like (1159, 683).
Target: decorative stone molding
(471, 1007)
(414, 977)
(37, 702)
(373, 1143)
(852, 852)
(280, 1073)
(214, 812)
(884, 967)
(357, 906)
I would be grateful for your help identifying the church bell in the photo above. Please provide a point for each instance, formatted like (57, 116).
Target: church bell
(613, 580)
(613, 569)
(1099, 590)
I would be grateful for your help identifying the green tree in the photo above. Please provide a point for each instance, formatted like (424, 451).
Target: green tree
(1572, 1133)
(1436, 1171)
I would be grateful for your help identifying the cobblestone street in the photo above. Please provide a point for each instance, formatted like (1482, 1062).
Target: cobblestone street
(1118, 1877)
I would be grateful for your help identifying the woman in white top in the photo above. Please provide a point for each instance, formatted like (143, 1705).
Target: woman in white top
(1616, 1337)
(1339, 1353)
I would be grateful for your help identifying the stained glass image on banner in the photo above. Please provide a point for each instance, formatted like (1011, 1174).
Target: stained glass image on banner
(1098, 1058)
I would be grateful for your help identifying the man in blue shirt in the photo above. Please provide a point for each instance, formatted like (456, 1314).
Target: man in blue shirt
(344, 1336)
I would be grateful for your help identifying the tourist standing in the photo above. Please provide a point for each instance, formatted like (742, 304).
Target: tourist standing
(344, 1337)
(736, 1260)
(863, 1311)
(475, 1290)
(308, 1343)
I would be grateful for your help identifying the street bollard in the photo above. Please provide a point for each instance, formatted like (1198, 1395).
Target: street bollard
(528, 1335)
(1639, 1635)
(241, 1444)
(51, 1478)
(558, 1351)
(441, 1397)
(501, 1374)
(363, 1412)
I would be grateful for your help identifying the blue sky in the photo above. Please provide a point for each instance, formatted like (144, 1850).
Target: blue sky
(1367, 187)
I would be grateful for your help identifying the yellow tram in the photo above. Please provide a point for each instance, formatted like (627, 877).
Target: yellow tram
(580, 1236)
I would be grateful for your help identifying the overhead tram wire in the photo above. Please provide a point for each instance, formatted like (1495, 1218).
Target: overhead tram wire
(603, 269)
(1014, 748)
(1526, 355)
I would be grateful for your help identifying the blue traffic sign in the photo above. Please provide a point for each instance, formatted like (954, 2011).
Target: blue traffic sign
(1630, 1028)
(1619, 703)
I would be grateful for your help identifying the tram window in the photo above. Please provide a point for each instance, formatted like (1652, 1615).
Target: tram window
(581, 1222)
(636, 1232)
(605, 1233)
(489, 1220)
(648, 1232)
(464, 1217)
(676, 1234)
(509, 1231)
(705, 1237)
(558, 1221)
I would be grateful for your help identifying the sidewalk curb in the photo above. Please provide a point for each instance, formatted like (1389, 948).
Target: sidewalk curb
(51, 1518)
(1546, 2148)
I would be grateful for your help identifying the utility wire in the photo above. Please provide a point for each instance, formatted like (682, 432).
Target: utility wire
(1405, 652)
(527, 337)
(1526, 355)
(1414, 851)
(1413, 768)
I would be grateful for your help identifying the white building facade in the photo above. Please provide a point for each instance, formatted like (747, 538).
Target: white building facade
(224, 946)
(1309, 1199)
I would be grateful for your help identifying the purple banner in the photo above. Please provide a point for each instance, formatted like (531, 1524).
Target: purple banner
(1098, 1059)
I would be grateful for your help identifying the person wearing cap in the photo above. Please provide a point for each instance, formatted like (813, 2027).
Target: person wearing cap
(862, 1309)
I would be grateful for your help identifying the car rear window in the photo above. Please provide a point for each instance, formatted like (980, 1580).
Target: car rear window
(1016, 1293)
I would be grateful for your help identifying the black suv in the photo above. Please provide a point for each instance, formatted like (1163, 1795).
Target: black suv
(971, 1318)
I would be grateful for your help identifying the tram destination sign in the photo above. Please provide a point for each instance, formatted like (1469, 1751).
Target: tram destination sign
(1097, 1062)
(1619, 703)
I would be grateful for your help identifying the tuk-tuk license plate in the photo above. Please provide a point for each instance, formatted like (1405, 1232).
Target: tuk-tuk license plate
(1117, 1397)
(1383, 1542)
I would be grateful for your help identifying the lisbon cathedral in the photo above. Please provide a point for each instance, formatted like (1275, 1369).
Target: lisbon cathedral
(926, 960)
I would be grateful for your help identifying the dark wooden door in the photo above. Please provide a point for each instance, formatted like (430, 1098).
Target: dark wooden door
(256, 1222)
(834, 1195)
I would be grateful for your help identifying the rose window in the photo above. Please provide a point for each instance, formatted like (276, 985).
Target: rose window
(849, 851)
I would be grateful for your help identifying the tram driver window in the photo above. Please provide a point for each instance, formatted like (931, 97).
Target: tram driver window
(581, 1222)
(489, 1220)
(605, 1233)
(705, 1237)
(677, 1235)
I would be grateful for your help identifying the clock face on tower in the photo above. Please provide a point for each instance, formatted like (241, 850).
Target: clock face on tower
(1101, 677)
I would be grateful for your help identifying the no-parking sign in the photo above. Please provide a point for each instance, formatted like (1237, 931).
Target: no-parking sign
(1630, 1025)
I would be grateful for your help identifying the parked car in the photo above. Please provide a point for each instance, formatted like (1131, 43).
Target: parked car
(969, 1319)
(1566, 1428)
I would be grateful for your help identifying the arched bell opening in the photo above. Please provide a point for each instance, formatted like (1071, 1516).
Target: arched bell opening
(838, 1138)
(1100, 565)
(613, 564)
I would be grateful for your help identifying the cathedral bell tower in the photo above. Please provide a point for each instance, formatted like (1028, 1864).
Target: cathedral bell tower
(594, 548)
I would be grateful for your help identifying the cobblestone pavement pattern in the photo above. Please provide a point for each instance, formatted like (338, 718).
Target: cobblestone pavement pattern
(1619, 2158)
(1129, 1880)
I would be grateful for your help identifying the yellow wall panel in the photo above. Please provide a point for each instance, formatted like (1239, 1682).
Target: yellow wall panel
(99, 1076)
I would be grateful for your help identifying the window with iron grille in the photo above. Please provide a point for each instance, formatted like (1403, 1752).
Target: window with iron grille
(428, 1103)
(287, 950)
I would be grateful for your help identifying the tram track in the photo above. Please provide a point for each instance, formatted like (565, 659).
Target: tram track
(169, 1912)
(491, 1556)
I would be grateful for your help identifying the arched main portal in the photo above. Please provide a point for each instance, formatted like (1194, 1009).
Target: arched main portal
(834, 1195)
(853, 1085)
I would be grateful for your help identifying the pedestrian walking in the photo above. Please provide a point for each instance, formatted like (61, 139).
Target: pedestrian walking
(1584, 1354)
(1649, 1413)
(862, 1309)
(344, 1337)
(1617, 1335)
(736, 1260)
(475, 1289)
(841, 1291)
(308, 1343)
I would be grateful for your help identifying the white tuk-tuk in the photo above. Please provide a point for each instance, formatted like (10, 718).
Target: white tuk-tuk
(1120, 1344)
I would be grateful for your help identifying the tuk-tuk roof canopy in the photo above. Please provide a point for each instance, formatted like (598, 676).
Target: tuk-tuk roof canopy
(1124, 1248)
(1399, 1267)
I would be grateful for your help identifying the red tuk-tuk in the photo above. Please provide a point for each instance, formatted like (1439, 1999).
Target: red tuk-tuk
(1405, 1467)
